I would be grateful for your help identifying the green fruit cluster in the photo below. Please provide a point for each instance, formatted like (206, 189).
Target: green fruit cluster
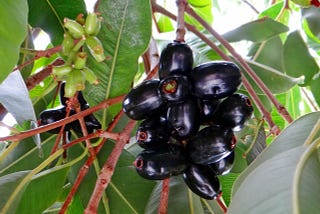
(74, 71)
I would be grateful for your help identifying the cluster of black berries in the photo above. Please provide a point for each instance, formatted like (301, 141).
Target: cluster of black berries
(52, 115)
(188, 118)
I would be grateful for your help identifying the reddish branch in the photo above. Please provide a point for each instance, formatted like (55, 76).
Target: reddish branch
(181, 31)
(84, 169)
(108, 169)
(163, 205)
(29, 133)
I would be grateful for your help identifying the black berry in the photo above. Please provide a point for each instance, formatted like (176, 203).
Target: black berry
(203, 181)
(175, 88)
(143, 100)
(176, 58)
(224, 165)
(53, 115)
(161, 162)
(215, 79)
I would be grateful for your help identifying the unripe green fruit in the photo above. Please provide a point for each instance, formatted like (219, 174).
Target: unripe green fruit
(95, 47)
(80, 60)
(76, 30)
(91, 24)
(90, 76)
(61, 71)
(67, 44)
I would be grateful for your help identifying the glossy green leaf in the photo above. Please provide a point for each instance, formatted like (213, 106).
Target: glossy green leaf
(203, 9)
(276, 81)
(227, 182)
(49, 15)
(256, 31)
(8, 184)
(13, 31)
(272, 11)
(297, 59)
(293, 136)
(272, 184)
(123, 44)
(36, 198)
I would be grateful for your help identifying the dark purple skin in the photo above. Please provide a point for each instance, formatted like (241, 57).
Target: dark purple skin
(223, 166)
(210, 145)
(152, 133)
(216, 79)
(53, 115)
(161, 162)
(175, 88)
(176, 58)
(91, 122)
(63, 99)
(203, 181)
(234, 111)
(183, 119)
(207, 110)
(143, 100)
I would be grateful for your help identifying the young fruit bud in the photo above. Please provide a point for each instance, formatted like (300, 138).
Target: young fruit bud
(95, 47)
(97, 30)
(91, 24)
(75, 29)
(79, 79)
(67, 44)
(69, 89)
(80, 60)
(61, 71)
(90, 76)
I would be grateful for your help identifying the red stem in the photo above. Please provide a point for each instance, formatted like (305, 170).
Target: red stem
(222, 205)
(164, 198)
(181, 31)
(108, 169)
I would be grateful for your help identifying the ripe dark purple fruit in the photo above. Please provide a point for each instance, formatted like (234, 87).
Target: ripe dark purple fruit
(210, 145)
(174, 88)
(64, 99)
(203, 181)
(183, 119)
(176, 58)
(224, 165)
(216, 79)
(234, 111)
(53, 115)
(152, 133)
(91, 122)
(143, 100)
(161, 162)
(207, 110)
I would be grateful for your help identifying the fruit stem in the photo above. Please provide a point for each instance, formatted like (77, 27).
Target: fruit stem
(222, 204)
(281, 109)
(181, 31)
(163, 205)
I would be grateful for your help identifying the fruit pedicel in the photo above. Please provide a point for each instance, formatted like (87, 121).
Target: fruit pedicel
(188, 120)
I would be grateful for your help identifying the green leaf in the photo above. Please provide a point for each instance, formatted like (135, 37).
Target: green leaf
(272, 11)
(164, 24)
(14, 96)
(297, 59)
(293, 136)
(256, 31)
(312, 16)
(43, 190)
(272, 184)
(276, 81)
(8, 184)
(49, 15)
(314, 86)
(125, 34)
(203, 9)
(13, 31)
